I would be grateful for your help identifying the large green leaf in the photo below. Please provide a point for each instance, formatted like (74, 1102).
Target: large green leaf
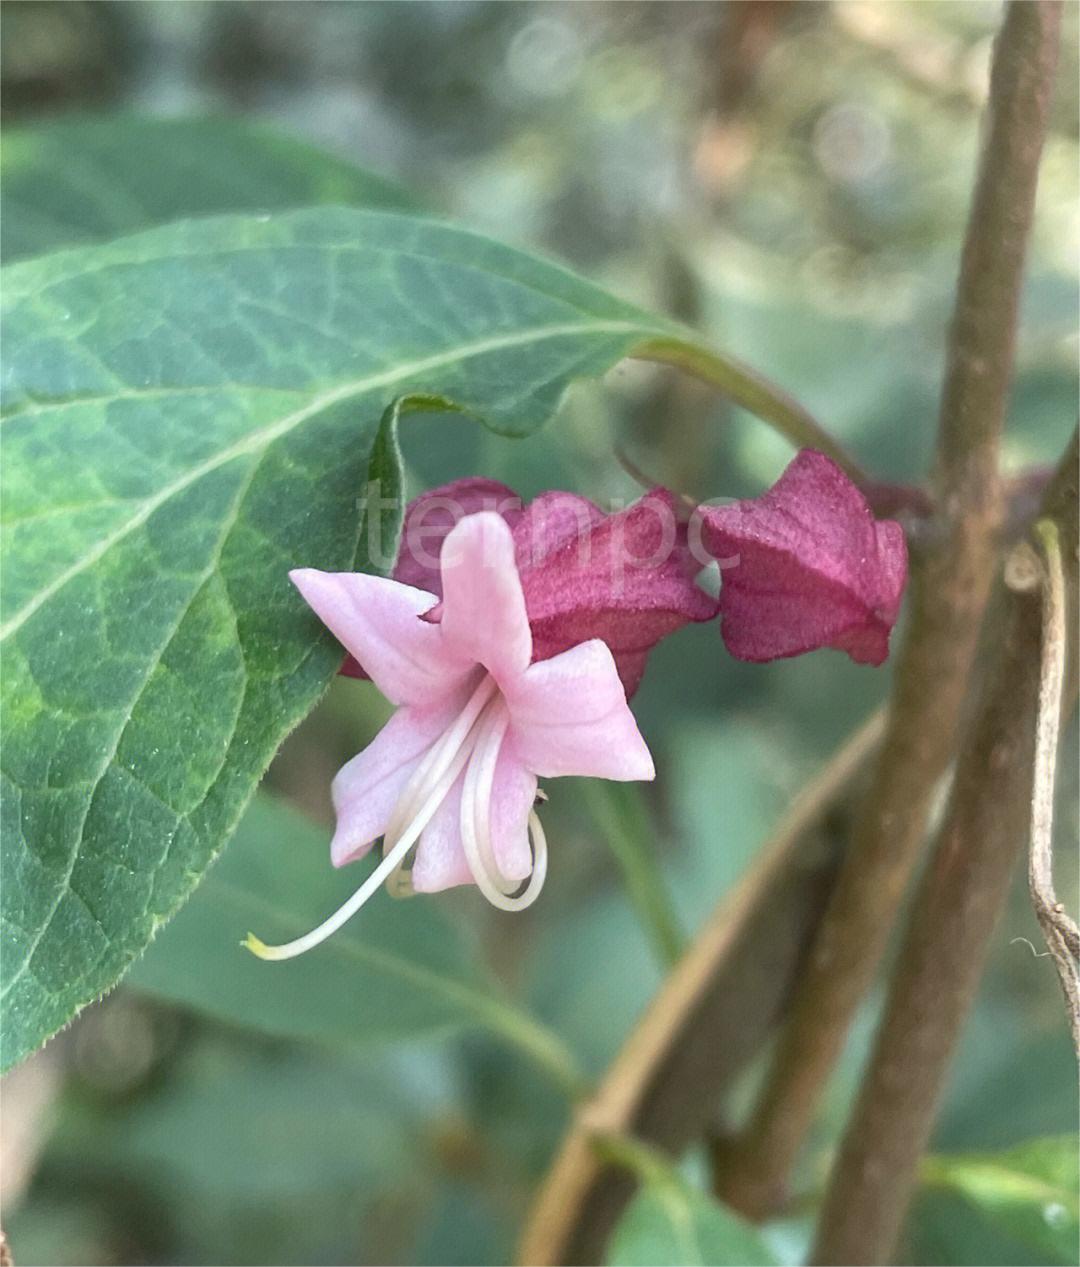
(1029, 1193)
(397, 970)
(188, 414)
(671, 1222)
(88, 180)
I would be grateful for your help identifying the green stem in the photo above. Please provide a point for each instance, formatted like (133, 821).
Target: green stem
(619, 811)
(752, 392)
(537, 1041)
(642, 1160)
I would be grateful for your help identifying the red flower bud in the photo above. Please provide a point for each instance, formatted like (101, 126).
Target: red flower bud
(806, 565)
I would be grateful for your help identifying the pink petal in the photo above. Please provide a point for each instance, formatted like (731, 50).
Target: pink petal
(366, 789)
(440, 861)
(440, 856)
(378, 621)
(428, 520)
(626, 578)
(430, 517)
(568, 715)
(806, 566)
(550, 522)
(513, 794)
(893, 559)
(781, 612)
(483, 616)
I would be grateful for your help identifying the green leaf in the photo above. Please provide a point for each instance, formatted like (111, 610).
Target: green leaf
(679, 1226)
(1029, 1193)
(671, 1222)
(383, 507)
(188, 415)
(93, 179)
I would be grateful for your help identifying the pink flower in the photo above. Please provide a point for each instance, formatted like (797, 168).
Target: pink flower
(454, 772)
(627, 577)
(806, 565)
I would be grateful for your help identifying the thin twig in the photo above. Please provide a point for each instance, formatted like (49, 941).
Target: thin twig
(940, 962)
(711, 1016)
(621, 814)
(753, 392)
(951, 579)
(1059, 930)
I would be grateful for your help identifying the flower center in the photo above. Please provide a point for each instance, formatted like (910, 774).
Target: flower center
(471, 743)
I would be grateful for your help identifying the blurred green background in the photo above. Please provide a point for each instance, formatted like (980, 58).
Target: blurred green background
(791, 178)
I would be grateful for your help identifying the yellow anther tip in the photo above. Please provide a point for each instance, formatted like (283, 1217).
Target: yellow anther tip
(258, 948)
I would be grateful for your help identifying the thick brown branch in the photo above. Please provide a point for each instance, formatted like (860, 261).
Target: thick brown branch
(941, 960)
(711, 1016)
(950, 583)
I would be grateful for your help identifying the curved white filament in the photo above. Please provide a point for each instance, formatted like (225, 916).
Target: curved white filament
(472, 743)
(431, 781)
(435, 760)
(400, 848)
(476, 822)
(398, 882)
(540, 860)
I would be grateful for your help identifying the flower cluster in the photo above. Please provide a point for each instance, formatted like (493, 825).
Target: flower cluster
(510, 638)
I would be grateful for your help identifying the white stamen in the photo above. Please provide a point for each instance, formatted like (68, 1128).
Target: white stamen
(471, 744)
(476, 823)
(400, 848)
(398, 882)
(432, 780)
(437, 757)
(540, 861)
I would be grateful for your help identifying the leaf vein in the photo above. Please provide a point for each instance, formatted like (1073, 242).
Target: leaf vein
(65, 882)
(265, 435)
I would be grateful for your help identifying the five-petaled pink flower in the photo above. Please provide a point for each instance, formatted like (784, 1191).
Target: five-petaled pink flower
(454, 772)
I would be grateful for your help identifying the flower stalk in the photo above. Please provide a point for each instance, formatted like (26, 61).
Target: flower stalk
(951, 580)
(622, 816)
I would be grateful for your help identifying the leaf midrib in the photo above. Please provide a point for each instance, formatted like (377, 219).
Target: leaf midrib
(266, 435)
(31, 408)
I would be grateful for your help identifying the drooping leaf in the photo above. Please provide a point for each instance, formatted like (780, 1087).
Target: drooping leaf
(188, 414)
(1029, 1193)
(89, 180)
(397, 970)
(670, 1222)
